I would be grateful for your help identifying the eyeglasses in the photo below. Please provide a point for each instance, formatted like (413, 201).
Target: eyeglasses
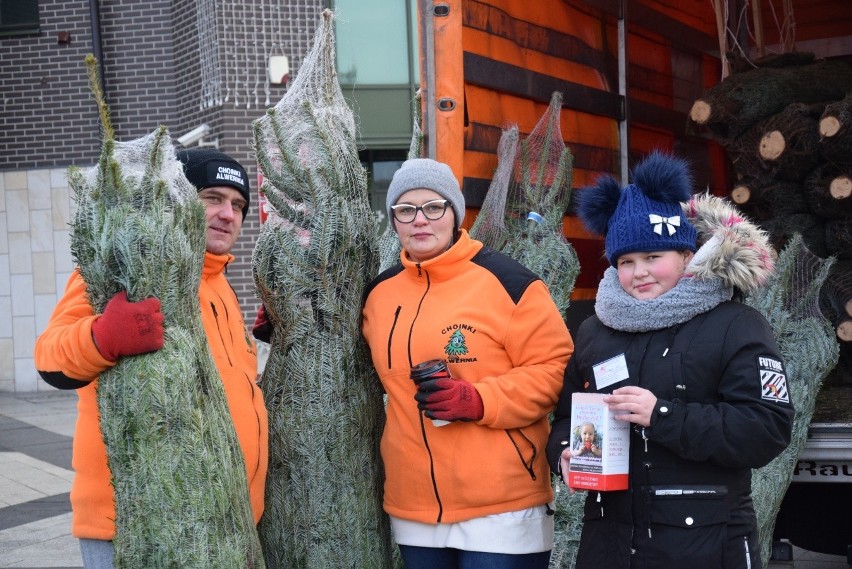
(433, 210)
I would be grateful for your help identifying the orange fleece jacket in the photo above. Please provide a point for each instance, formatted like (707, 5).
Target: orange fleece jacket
(496, 326)
(66, 347)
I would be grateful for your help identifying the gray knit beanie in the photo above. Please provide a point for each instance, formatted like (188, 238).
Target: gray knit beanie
(426, 173)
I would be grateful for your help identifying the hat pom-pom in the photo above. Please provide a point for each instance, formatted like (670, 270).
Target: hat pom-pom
(596, 204)
(664, 178)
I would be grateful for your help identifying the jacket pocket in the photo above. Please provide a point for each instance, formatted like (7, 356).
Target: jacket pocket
(525, 449)
(687, 526)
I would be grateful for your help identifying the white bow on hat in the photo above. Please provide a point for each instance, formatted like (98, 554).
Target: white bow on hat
(658, 221)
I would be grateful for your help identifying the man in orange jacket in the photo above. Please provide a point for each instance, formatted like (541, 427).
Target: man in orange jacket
(78, 345)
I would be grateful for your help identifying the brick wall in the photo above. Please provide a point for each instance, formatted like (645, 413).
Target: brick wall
(154, 71)
(45, 100)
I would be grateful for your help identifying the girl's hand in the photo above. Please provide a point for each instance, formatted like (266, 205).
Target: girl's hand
(564, 459)
(631, 403)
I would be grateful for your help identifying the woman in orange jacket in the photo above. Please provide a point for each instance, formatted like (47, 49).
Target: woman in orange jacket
(474, 492)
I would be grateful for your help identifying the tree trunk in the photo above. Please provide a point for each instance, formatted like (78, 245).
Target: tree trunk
(835, 129)
(767, 198)
(838, 237)
(742, 99)
(809, 226)
(829, 190)
(782, 146)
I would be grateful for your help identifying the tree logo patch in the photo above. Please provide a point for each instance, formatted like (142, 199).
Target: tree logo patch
(457, 346)
(773, 380)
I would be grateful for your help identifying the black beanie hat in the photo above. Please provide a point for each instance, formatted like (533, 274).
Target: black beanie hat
(205, 168)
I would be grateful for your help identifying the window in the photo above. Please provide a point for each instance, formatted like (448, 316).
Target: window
(18, 17)
(367, 56)
(381, 166)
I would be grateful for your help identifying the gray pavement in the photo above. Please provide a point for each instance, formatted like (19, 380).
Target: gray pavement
(35, 478)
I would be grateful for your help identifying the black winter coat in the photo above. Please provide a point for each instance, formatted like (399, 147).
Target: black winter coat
(722, 410)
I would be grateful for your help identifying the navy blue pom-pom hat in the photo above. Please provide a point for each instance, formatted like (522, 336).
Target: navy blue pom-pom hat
(205, 168)
(647, 214)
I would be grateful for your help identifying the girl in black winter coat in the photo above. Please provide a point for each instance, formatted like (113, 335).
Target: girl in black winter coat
(701, 381)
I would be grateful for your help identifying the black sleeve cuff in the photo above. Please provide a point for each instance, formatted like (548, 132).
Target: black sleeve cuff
(663, 408)
(59, 380)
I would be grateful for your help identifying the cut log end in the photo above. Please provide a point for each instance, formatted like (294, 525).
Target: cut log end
(848, 307)
(844, 331)
(700, 112)
(829, 126)
(740, 194)
(772, 145)
(840, 188)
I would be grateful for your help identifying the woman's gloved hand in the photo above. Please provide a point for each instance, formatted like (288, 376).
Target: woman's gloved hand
(449, 399)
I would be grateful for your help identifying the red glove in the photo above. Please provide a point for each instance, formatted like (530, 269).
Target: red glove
(449, 399)
(262, 329)
(128, 328)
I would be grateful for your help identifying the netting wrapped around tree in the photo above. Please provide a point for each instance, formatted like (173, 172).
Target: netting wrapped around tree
(181, 494)
(828, 190)
(838, 237)
(810, 227)
(536, 198)
(836, 305)
(763, 198)
(790, 302)
(731, 107)
(522, 217)
(311, 263)
(490, 224)
(783, 146)
(835, 129)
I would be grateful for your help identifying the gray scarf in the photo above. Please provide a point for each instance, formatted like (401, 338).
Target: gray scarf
(689, 298)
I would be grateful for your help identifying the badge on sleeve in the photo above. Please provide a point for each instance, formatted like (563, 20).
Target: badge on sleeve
(773, 380)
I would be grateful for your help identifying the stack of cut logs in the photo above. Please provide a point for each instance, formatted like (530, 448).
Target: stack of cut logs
(786, 124)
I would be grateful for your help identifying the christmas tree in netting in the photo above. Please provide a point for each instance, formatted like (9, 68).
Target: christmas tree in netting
(311, 263)
(181, 494)
(525, 210)
(522, 217)
(790, 302)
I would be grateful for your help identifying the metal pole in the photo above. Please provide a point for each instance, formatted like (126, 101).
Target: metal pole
(429, 96)
(623, 143)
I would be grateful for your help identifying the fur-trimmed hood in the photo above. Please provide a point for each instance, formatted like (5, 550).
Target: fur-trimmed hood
(731, 247)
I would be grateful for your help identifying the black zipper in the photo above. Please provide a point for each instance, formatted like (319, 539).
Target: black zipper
(221, 337)
(390, 335)
(432, 470)
(421, 273)
(417, 312)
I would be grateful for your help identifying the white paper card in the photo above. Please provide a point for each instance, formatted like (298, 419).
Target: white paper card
(611, 371)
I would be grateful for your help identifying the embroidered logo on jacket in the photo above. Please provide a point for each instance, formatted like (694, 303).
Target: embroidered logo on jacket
(457, 345)
(773, 380)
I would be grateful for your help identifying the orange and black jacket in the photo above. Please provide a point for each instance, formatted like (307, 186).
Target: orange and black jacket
(496, 326)
(67, 358)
